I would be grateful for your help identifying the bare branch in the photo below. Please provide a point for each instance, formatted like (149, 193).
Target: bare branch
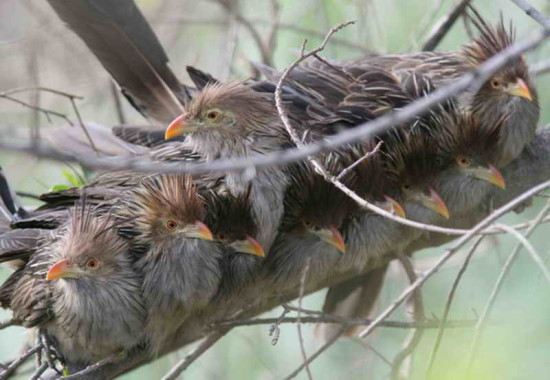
(9, 370)
(446, 310)
(533, 13)
(195, 354)
(299, 323)
(444, 25)
(496, 289)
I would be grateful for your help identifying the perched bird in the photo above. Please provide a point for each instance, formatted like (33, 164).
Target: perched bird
(310, 228)
(81, 289)
(508, 97)
(173, 251)
(232, 120)
(233, 226)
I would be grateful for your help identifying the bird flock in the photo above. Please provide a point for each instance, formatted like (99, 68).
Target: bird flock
(125, 260)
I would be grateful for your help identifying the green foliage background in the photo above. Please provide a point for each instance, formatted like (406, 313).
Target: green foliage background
(37, 50)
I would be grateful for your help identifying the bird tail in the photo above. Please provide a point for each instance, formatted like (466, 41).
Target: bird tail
(120, 37)
(351, 299)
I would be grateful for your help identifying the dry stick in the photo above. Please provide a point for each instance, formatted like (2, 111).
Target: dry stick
(9, 370)
(533, 13)
(334, 319)
(45, 111)
(8, 323)
(94, 367)
(43, 89)
(39, 371)
(446, 310)
(424, 24)
(266, 55)
(498, 285)
(444, 26)
(362, 131)
(195, 354)
(118, 104)
(529, 248)
(82, 126)
(419, 316)
(344, 172)
(498, 213)
(299, 324)
(540, 68)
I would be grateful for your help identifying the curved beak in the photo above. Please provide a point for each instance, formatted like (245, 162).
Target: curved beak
(491, 175)
(250, 246)
(434, 202)
(198, 230)
(394, 207)
(177, 127)
(520, 89)
(333, 237)
(62, 269)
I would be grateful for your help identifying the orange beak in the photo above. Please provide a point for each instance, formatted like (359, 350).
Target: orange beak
(333, 237)
(491, 175)
(435, 203)
(62, 269)
(395, 207)
(176, 128)
(198, 230)
(520, 89)
(250, 246)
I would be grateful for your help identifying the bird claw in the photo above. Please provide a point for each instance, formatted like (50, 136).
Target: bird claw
(50, 352)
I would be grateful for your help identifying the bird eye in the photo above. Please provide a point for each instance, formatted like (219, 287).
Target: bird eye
(212, 115)
(307, 224)
(92, 264)
(222, 237)
(463, 161)
(406, 187)
(496, 83)
(171, 225)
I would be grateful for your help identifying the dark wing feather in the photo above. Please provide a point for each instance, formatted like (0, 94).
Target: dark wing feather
(119, 36)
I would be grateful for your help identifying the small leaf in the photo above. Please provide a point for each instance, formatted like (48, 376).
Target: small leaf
(60, 187)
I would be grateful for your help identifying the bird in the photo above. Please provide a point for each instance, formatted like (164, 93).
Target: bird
(233, 120)
(80, 287)
(234, 228)
(173, 250)
(508, 95)
(314, 211)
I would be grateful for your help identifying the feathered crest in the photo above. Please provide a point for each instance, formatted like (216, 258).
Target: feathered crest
(310, 197)
(460, 132)
(166, 196)
(251, 108)
(230, 215)
(90, 230)
(491, 40)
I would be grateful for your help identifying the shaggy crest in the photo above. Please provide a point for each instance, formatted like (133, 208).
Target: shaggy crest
(165, 196)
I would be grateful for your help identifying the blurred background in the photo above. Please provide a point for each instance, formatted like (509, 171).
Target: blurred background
(37, 50)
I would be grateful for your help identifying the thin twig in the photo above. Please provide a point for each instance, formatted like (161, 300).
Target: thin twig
(334, 319)
(82, 126)
(299, 323)
(39, 371)
(444, 25)
(8, 323)
(114, 358)
(533, 13)
(9, 370)
(419, 315)
(446, 310)
(45, 111)
(195, 354)
(496, 289)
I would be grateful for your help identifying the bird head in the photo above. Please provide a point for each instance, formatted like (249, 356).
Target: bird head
(89, 249)
(314, 207)
(511, 83)
(413, 166)
(220, 112)
(233, 226)
(168, 207)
